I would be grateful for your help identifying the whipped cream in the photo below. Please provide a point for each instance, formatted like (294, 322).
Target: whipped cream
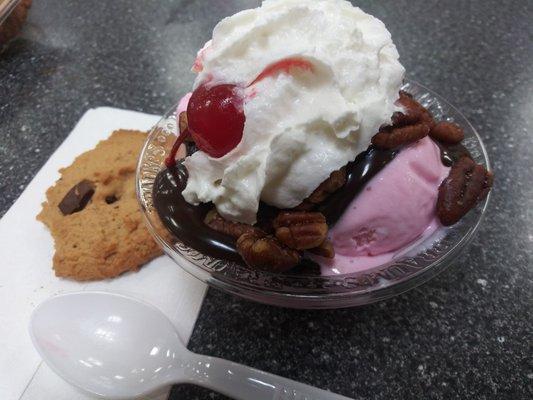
(299, 126)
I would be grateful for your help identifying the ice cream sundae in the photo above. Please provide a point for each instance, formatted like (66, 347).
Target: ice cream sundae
(301, 147)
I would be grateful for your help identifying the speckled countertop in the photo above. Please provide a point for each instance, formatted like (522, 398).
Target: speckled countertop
(465, 335)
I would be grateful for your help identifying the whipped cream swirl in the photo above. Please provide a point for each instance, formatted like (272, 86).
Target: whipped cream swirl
(299, 126)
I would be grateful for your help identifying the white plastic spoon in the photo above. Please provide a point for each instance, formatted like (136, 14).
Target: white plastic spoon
(118, 347)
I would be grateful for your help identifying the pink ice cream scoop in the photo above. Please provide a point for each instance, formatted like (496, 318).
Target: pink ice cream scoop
(396, 207)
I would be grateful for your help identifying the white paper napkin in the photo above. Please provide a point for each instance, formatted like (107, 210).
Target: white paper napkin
(26, 276)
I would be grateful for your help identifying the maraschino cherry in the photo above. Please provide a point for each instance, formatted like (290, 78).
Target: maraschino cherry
(215, 112)
(215, 119)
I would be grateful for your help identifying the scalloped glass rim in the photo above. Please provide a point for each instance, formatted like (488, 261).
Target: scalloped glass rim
(311, 291)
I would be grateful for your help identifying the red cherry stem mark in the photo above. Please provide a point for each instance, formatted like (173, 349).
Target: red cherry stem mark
(285, 65)
(170, 161)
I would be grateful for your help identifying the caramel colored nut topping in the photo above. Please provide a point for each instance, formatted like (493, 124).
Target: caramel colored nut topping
(300, 230)
(447, 132)
(391, 137)
(324, 250)
(466, 184)
(407, 127)
(77, 198)
(413, 113)
(266, 252)
(234, 229)
(336, 180)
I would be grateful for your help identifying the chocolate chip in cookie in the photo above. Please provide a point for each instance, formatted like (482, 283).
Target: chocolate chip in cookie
(77, 198)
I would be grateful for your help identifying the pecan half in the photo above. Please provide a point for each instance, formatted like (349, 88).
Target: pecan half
(391, 137)
(266, 252)
(324, 250)
(466, 184)
(336, 180)
(234, 229)
(300, 230)
(413, 112)
(408, 126)
(447, 132)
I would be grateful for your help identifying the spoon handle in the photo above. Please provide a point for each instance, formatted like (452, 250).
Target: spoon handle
(244, 383)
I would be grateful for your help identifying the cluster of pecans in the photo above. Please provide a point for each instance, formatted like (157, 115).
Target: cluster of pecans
(467, 182)
(413, 124)
(280, 249)
(409, 126)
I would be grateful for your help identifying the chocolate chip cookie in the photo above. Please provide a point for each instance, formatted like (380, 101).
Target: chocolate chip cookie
(93, 214)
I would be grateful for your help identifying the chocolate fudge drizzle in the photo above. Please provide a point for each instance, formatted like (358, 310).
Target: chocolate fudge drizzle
(186, 221)
(358, 172)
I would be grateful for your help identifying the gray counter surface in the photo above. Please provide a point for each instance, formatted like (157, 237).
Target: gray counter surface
(464, 335)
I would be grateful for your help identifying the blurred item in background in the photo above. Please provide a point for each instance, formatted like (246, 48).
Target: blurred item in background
(11, 26)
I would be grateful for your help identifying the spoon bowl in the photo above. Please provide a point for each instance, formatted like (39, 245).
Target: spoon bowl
(108, 344)
(117, 347)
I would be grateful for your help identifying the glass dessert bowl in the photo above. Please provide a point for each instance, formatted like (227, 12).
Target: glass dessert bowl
(305, 289)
